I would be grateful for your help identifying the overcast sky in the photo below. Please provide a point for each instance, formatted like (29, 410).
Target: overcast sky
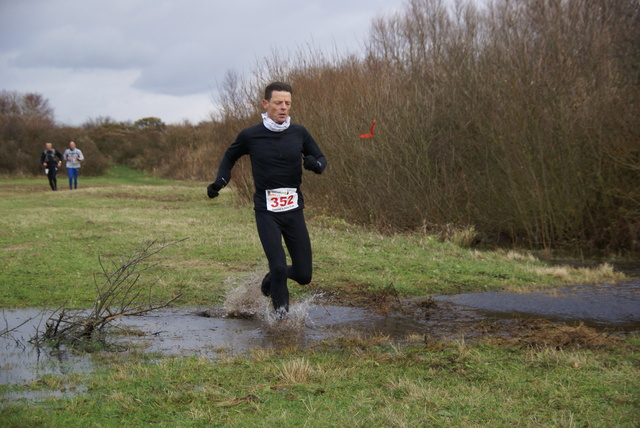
(129, 59)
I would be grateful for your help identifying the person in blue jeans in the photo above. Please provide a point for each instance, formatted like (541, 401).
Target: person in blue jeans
(278, 150)
(73, 156)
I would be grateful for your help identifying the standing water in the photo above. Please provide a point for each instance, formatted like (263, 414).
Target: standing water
(247, 321)
(607, 306)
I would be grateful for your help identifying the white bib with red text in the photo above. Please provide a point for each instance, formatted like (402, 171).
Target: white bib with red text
(282, 199)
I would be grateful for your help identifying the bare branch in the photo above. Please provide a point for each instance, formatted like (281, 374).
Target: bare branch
(120, 294)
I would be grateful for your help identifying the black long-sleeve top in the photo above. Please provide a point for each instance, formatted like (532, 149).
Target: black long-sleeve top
(49, 156)
(276, 159)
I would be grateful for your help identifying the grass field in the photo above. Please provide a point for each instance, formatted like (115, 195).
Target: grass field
(52, 243)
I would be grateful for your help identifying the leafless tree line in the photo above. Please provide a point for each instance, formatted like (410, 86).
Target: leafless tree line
(516, 118)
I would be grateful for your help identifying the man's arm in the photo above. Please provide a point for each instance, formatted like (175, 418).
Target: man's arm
(231, 155)
(314, 160)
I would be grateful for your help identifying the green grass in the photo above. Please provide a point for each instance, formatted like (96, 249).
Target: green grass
(360, 384)
(52, 242)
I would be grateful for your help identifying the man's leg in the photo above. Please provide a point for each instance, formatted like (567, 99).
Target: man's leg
(70, 175)
(296, 237)
(270, 234)
(50, 178)
(53, 181)
(76, 171)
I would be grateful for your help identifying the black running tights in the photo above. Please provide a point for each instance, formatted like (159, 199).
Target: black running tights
(51, 175)
(272, 228)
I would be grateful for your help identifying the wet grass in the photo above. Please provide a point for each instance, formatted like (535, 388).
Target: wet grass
(51, 242)
(356, 382)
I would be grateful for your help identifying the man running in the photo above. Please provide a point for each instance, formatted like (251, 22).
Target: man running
(278, 149)
(48, 160)
(73, 156)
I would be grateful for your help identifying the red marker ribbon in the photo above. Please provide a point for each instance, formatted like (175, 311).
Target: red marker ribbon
(373, 124)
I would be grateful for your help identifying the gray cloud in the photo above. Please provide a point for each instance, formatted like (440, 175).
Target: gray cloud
(104, 47)
(160, 51)
(179, 70)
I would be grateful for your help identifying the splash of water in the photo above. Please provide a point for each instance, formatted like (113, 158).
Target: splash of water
(245, 300)
(294, 320)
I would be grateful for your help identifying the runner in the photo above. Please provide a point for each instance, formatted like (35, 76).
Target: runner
(278, 149)
(48, 160)
(73, 156)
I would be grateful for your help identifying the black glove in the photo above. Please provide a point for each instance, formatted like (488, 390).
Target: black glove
(213, 189)
(312, 164)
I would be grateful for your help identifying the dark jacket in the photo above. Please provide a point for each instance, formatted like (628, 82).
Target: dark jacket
(49, 156)
(276, 159)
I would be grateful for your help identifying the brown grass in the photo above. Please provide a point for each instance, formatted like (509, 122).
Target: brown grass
(548, 335)
(295, 371)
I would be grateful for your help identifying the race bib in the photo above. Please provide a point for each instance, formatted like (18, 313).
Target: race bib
(283, 199)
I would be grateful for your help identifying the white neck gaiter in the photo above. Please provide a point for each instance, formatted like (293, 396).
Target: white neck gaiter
(273, 126)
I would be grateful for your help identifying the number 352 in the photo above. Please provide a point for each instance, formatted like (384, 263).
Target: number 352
(281, 201)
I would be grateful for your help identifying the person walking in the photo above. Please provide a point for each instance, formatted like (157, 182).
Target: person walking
(278, 150)
(48, 160)
(73, 156)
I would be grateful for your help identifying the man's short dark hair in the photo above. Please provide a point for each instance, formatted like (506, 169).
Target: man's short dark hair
(276, 86)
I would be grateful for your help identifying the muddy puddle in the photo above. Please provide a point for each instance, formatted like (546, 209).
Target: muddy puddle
(602, 307)
(209, 332)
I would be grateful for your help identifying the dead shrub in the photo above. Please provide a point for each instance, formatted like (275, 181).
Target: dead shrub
(120, 294)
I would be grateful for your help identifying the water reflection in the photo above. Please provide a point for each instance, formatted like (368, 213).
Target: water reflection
(207, 332)
(603, 306)
(189, 331)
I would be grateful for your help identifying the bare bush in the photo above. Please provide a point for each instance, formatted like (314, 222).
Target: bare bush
(517, 119)
(119, 294)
